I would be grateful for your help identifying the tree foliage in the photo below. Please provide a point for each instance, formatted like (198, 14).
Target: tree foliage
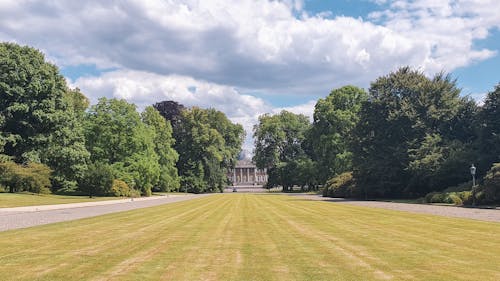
(98, 180)
(117, 136)
(489, 134)
(38, 121)
(279, 138)
(279, 147)
(489, 192)
(208, 144)
(406, 140)
(342, 185)
(334, 119)
(163, 146)
(31, 177)
(408, 136)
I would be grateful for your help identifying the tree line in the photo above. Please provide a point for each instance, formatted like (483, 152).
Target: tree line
(407, 136)
(52, 140)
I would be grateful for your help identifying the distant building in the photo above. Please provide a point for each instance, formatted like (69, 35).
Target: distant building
(246, 173)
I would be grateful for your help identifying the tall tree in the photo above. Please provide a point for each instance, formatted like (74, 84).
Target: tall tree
(163, 141)
(279, 141)
(233, 135)
(334, 119)
(407, 134)
(489, 142)
(117, 136)
(172, 112)
(38, 121)
(208, 143)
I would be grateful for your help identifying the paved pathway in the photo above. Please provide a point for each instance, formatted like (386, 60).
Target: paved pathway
(22, 217)
(492, 215)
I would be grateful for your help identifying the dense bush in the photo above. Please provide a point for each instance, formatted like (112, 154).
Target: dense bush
(33, 177)
(342, 185)
(119, 188)
(489, 192)
(491, 184)
(98, 180)
(456, 198)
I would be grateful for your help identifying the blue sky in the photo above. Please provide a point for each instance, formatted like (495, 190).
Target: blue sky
(256, 56)
(481, 77)
(348, 8)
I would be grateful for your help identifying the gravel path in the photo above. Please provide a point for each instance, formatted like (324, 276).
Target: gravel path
(22, 217)
(492, 215)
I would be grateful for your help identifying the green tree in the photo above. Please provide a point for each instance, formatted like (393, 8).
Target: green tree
(208, 144)
(98, 180)
(117, 136)
(411, 130)
(233, 135)
(489, 142)
(279, 144)
(306, 175)
(490, 191)
(38, 123)
(334, 119)
(163, 141)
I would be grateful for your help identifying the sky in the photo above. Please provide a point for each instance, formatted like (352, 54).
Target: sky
(251, 57)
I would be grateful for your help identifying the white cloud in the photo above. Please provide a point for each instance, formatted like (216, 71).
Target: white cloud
(143, 89)
(479, 97)
(254, 44)
(210, 53)
(446, 30)
(306, 109)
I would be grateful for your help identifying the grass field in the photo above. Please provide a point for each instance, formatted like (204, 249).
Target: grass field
(8, 200)
(254, 237)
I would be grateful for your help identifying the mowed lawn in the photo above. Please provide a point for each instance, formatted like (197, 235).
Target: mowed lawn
(8, 200)
(254, 237)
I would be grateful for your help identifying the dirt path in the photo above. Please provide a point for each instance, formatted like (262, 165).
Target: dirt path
(22, 217)
(492, 215)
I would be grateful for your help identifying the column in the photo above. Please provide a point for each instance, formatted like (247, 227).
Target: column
(241, 175)
(234, 175)
(248, 174)
(254, 175)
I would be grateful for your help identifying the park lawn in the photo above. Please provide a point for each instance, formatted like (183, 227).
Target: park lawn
(8, 200)
(254, 237)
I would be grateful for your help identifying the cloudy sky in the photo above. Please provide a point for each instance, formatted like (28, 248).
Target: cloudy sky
(250, 57)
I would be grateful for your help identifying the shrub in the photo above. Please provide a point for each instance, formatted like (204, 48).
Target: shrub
(135, 193)
(33, 177)
(453, 198)
(491, 186)
(489, 191)
(98, 180)
(119, 188)
(465, 196)
(428, 197)
(456, 198)
(342, 185)
(438, 198)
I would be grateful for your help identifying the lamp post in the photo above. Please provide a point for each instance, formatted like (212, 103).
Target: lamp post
(473, 173)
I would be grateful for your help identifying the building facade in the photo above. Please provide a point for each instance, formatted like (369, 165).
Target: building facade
(246, 173)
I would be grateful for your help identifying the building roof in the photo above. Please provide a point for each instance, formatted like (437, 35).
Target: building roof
(245, 164)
